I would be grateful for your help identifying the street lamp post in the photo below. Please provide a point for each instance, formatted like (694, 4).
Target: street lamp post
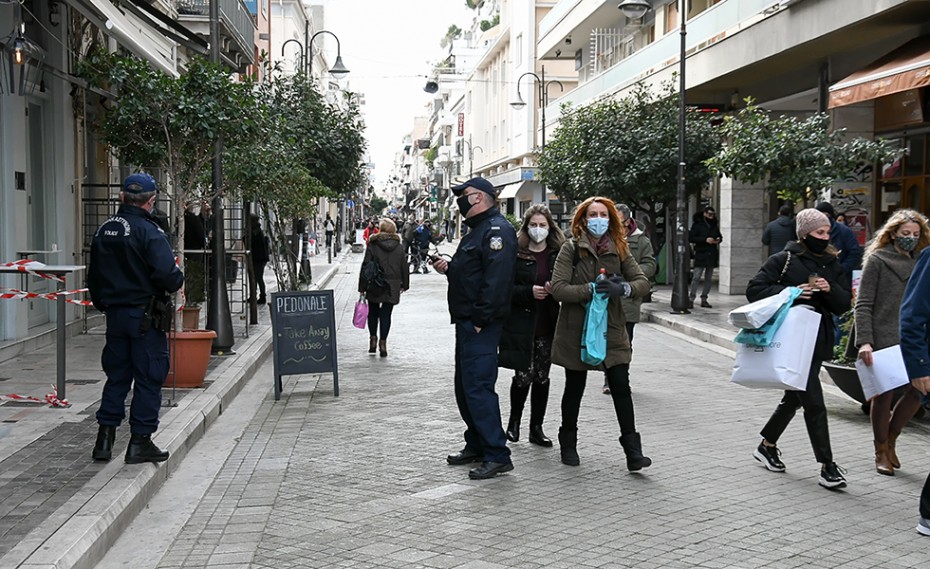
(338, 69)
(471, 156)
(302, 56)
(543, 99)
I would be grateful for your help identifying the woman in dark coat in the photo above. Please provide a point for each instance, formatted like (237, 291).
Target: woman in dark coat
(385, 248)
(526, 344)
(598, 243)
(259, 245)
(889, 260)
(811, 259)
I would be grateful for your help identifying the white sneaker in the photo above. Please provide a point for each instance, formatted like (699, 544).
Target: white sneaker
(923, 526)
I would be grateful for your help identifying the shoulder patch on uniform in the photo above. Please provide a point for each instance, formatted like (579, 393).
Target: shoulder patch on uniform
(497, 243)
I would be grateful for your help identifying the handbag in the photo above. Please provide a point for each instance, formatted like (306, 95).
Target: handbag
(786, 362)
(360, 318)
(764, 335)
(594, 333)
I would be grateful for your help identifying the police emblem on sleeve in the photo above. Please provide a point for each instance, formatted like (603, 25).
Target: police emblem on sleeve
(497, 243)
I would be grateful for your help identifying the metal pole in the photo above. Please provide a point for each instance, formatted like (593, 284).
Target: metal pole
(471, 159)
(542, 103)
(218, 316)
(308, 51)
(680, 289)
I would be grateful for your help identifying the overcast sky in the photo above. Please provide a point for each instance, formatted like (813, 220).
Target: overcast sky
(388, 48)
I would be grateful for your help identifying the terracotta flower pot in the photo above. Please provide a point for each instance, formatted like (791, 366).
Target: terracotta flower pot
(190, 317)
(189, 358)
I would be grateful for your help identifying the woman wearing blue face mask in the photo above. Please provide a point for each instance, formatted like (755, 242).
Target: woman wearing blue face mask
(889, 260)
(597, 243)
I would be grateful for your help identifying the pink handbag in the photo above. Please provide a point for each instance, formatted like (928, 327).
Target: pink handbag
(360, 318)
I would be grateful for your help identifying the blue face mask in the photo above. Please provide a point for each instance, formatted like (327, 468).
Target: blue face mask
(597, 226)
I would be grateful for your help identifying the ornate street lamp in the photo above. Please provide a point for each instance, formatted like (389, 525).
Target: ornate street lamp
(302, 64)
(543, 96)
(338, 69)
(634, 9)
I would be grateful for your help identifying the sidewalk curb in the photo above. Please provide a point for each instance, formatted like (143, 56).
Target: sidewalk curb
(79, 533)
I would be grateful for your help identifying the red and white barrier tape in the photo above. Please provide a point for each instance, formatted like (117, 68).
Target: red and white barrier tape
(33, 268)
(51, 398)
(16, 294)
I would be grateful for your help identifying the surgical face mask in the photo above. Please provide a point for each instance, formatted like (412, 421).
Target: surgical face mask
(816, 246)
(538, 234)
(597, 226)
(906, 243)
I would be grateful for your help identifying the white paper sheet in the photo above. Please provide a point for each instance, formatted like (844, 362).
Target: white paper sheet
(886, 372)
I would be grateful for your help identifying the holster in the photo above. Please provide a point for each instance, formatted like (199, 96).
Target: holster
(158, 314)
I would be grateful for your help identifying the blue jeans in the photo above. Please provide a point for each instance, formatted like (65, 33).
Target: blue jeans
(134, 360)
(475, 377)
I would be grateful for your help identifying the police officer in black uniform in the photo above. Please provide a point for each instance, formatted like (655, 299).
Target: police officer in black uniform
(480, 278)
(132, 271)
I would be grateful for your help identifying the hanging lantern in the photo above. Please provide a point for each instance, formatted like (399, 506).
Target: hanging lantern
(24, 61)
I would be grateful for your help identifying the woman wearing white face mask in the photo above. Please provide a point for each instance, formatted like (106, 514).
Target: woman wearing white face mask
(598, 244)
(526, 343)
(889, 260)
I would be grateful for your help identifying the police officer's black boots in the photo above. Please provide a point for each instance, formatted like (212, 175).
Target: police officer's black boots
(103, 450)
(142, 449)
(633, 447)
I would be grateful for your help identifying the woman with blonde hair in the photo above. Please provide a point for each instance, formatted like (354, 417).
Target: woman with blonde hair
(526, 344)
(598, 243)
(889, 260)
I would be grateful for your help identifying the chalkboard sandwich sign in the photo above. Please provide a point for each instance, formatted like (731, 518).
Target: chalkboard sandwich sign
(303, 324)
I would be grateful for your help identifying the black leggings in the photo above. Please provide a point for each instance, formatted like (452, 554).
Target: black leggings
(379, 311)
(618, 378)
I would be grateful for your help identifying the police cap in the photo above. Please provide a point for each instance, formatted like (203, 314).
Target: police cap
(478, 183)
(140, 183)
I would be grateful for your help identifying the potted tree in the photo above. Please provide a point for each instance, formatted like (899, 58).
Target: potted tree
(842, 369)
(172, 124)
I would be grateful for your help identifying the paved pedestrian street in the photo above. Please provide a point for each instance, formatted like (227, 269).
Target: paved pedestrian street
(361, 480)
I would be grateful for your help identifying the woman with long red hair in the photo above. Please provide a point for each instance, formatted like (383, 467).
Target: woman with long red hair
(598, 243)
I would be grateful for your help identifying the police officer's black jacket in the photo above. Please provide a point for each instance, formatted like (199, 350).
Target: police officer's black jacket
(131, 261)
(482, 270)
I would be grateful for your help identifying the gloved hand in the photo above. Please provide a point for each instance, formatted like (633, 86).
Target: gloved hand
(614, 287)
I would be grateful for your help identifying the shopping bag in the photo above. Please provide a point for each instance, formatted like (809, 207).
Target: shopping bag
(755, 314)
(764, 335)
(360, 318)
(886, 372)
(594, 333)
(785, 363)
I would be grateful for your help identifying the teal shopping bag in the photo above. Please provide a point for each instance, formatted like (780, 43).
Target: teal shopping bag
(763, 335)
(594, 334)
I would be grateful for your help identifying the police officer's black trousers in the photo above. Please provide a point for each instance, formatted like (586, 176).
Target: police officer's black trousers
(475, 376)
(132, 359)
(815, 415)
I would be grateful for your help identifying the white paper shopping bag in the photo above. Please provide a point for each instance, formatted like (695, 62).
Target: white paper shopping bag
(886, 372)
(786, 362)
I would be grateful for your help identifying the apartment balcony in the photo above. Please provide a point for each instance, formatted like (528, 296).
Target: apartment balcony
(237, 28)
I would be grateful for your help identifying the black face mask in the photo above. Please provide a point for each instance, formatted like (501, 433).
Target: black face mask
(464, 204)
(816, 246)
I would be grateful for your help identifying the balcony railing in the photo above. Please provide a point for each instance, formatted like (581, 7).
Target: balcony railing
(233, 13)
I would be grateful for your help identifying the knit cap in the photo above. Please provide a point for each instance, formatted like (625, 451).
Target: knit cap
(808, 220)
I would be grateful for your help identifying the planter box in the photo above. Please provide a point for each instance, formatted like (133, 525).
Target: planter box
(847, 379)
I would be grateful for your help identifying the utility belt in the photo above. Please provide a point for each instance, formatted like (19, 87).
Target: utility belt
(158, 315)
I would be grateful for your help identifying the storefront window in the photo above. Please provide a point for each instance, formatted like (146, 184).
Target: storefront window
(914, 158)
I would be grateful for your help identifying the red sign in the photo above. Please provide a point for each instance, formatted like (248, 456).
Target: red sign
(461, 124)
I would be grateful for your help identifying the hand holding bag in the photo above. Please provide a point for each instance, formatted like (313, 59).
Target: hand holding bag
(594, 333)
(360, 318)
(786, 362)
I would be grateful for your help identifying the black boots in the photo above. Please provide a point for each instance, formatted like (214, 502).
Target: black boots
(633, 447)
(372, 344)
(382, 348)
(142, 449)
(568, 440)
(513, 429)
(538, 437)
(103, 450)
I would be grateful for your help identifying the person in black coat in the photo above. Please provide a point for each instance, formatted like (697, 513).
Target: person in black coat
(385, 248)
(780, 231)
(259, 244)
(705, 236)
(811, 265)
(526, 343)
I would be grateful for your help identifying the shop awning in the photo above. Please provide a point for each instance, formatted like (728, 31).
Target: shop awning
(132, 32)
(511, 190)
(907, 67)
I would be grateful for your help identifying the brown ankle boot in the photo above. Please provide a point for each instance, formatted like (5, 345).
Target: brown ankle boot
(882, 464)
(382, 347)
(892, 455)
(372, 344)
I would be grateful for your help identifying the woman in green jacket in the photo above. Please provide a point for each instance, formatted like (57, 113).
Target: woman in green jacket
(598, 243)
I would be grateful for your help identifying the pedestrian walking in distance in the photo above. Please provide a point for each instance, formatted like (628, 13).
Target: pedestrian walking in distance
(889, 260)
(597, 243)
(384, 248)
(480, 277)
(705, 236)
(131, 273)
(526, 346)
(259, 245)
(915, 347)
(780, 231)
(849, 252)
(810, 264)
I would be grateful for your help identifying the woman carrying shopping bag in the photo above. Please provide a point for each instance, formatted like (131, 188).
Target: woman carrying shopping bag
(598, 243)
(526, 344)
(810, 264)
(384, 247)
(889, 260)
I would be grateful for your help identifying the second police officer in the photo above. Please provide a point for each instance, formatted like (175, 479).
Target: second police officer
(480, 277)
